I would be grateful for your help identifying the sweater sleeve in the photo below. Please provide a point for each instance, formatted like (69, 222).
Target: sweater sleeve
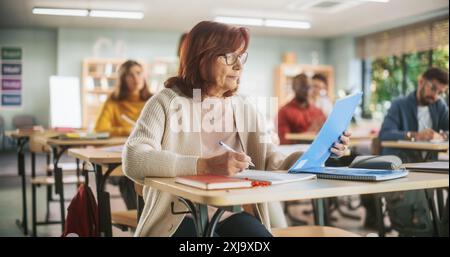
(143, 155)
(278, 161)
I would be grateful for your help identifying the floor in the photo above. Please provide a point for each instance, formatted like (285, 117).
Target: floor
(11, 198)
(11, 203)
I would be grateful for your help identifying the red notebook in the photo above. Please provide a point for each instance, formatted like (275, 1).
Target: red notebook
(209, 182)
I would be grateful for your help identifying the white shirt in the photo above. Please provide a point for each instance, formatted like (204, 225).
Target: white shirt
(424, 118)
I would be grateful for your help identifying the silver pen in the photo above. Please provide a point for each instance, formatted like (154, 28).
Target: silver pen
(232, 150)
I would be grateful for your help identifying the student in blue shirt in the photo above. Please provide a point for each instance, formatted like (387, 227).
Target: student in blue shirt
(421, 116)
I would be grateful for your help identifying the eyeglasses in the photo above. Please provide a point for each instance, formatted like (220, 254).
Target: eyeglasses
(231, 58)
(435, 88)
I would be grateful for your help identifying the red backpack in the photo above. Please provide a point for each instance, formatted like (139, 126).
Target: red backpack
(82, 214)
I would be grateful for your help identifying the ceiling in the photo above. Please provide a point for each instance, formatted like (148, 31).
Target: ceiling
(328, 18)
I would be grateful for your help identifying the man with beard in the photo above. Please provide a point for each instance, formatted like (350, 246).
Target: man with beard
(420, 116)
(299, 115)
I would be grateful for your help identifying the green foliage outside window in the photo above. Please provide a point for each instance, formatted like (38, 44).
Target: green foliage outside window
(396, 76)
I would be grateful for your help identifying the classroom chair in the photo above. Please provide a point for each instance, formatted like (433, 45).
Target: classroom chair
(129, 219)
(23, 121)
(37, 146)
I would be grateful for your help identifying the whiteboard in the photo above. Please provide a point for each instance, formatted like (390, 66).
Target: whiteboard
(65, 103)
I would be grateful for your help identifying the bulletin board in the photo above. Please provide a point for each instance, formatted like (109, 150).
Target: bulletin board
(11, 77)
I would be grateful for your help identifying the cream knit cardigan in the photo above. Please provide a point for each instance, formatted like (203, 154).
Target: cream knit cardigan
(154, 150)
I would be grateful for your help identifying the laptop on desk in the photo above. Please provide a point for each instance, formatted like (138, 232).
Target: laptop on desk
(433, 167)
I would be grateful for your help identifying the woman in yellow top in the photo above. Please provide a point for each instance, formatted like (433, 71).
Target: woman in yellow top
(119, 113)
(123, 106)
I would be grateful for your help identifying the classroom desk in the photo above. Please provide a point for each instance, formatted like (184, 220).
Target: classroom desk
(100, 158)
(197, 200)
(22, 139)
(59, 146)
(424, 146)
(441, 207)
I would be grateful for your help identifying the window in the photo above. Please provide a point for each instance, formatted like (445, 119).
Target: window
(395, 76)
(393, 60)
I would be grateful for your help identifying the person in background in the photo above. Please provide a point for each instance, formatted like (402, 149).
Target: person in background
(211, 64)
(120, 112)
(421, 116)
(299, 115)
(319, 93)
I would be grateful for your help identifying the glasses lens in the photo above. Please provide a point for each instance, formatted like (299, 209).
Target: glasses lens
(243, 58)
(232, 58)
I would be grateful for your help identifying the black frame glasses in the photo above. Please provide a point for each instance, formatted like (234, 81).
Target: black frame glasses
(231, 58)
(434, 88)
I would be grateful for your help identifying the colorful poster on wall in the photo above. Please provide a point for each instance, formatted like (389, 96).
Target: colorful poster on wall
(11, 77)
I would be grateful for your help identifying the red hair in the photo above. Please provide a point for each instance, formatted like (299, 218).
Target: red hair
(200, 49)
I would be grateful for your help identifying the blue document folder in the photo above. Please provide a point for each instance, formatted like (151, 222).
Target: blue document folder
(313, 160)
(336, 123)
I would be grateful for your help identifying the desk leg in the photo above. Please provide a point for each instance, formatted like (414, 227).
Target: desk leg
(379, 215)
(104, 208)
(202, 219)
(23, 224)
(59, 186)
(429, 193)
(319, 212)
(440, 201)
(211, 227)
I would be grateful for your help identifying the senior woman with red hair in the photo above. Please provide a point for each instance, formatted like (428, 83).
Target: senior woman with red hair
(180, 127)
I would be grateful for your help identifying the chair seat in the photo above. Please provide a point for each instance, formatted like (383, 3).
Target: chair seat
(65, 166)
(312, 231)
(125, 218)
(49, 180)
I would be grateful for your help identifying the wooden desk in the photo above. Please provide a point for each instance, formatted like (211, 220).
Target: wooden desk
(100, 158)
(426, 146)
(419, 146)
(59, 146)
(96, 155)
(311, 189)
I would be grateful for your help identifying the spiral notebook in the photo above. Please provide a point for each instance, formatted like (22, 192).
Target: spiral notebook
(356, 173)
(313, 160)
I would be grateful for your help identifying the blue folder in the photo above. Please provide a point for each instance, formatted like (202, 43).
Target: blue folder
(313, 160)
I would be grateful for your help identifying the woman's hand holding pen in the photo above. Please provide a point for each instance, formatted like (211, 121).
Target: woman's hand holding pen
(228, 164)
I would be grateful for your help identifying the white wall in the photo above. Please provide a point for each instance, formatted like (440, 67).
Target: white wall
(76, 44)
(264, 52)
(347, 68)
(38, 63)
